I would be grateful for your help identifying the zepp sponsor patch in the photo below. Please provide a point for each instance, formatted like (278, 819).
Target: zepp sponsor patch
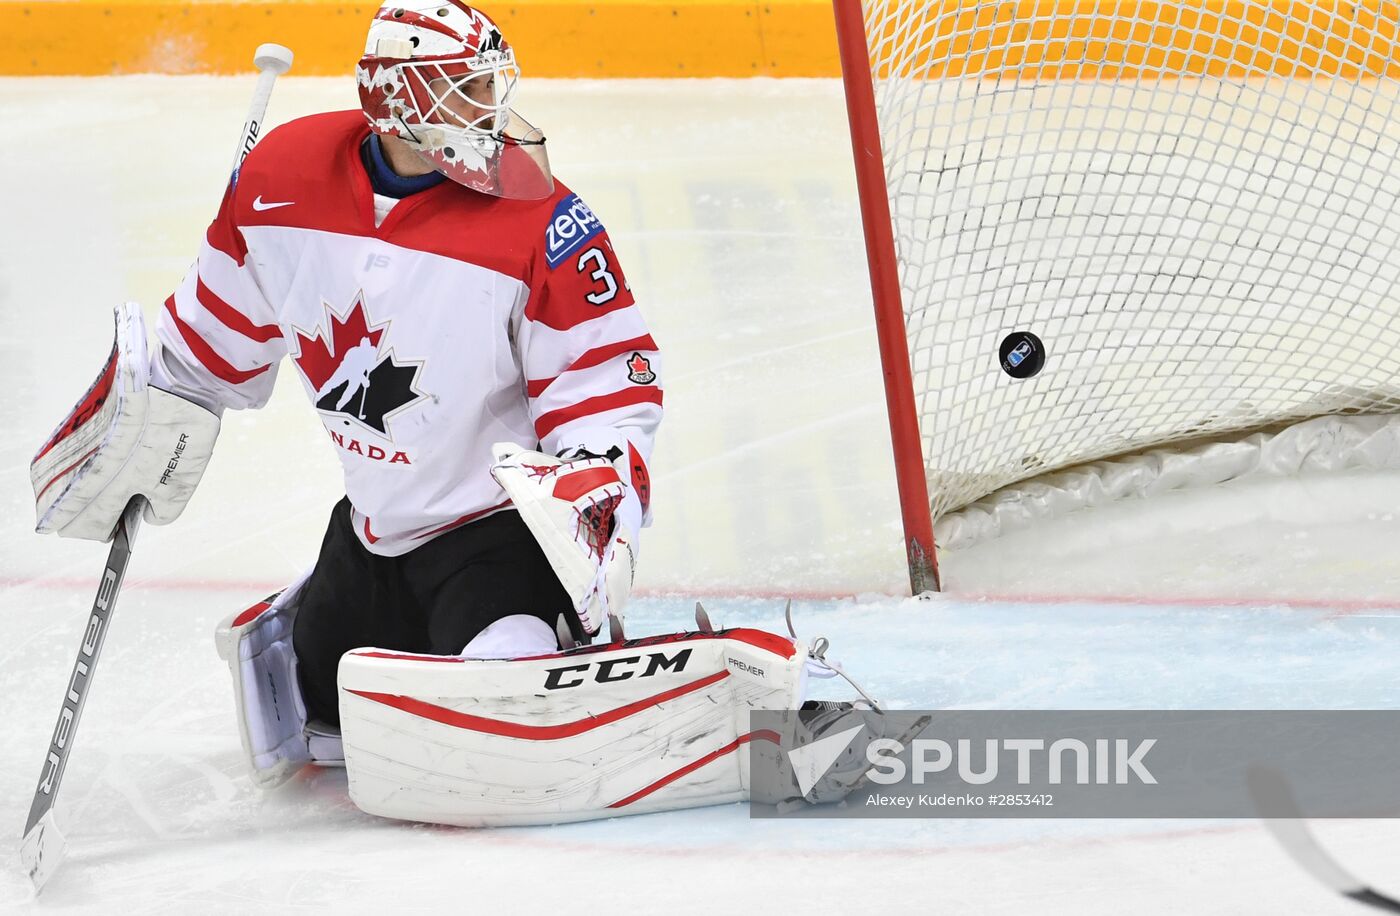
(571, 225)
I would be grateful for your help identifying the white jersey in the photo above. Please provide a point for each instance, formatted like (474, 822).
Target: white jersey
(458, 321)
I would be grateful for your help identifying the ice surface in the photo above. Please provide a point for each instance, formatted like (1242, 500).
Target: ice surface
(733, 209)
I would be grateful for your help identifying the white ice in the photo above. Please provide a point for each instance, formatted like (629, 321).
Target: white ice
(732, 206)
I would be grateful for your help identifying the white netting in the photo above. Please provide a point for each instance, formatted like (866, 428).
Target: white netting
(1196, 207)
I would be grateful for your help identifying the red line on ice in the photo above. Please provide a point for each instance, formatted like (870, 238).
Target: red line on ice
(1337, 606)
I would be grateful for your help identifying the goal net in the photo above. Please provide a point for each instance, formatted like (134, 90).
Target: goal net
(1194, 206)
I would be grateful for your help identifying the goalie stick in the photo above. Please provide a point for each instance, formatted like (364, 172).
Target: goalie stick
(1281, 814)
(43, 846)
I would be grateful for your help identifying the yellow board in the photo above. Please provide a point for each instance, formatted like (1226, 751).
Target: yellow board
(553, 38)
(1043, 39)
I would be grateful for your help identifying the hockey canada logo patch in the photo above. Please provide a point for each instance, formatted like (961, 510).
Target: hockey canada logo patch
(353, 373)
(639, 370)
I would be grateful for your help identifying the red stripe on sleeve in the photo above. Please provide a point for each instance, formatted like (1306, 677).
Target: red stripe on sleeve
(233, 319)
(551, 421)
(211, 360)
(595, 357)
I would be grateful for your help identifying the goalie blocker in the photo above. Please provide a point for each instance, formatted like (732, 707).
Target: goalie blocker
(124, 438)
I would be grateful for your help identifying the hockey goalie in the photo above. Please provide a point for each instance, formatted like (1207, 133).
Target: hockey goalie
(461, 324)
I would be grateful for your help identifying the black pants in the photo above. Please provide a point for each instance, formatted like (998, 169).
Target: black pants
(434, 599)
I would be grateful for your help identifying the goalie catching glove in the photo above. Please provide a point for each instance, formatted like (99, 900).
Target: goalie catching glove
(571, 507)
(125, 438)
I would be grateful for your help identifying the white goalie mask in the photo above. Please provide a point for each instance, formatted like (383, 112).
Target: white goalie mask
(441, 77)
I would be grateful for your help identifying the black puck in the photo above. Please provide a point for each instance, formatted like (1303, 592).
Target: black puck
(1022, 354)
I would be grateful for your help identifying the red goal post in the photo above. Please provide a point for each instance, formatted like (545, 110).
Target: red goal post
(1193, 206)
(889, 309)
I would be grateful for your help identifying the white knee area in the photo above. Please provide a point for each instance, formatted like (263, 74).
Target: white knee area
(515, 636)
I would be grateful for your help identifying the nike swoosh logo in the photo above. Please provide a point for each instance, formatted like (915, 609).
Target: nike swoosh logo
(259, 205)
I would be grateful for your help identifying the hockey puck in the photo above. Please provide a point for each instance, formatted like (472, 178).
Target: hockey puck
(1022, 354)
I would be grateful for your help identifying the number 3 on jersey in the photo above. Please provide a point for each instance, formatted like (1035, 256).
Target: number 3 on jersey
(596, 259)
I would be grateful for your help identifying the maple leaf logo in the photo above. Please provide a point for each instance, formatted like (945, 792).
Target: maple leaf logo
(318, 358)
(348, 375)
(639, 370)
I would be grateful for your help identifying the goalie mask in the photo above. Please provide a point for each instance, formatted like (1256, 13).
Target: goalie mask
(440, 76)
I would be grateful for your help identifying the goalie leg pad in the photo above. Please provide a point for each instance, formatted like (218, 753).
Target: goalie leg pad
(276, 738)
(643, 725)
